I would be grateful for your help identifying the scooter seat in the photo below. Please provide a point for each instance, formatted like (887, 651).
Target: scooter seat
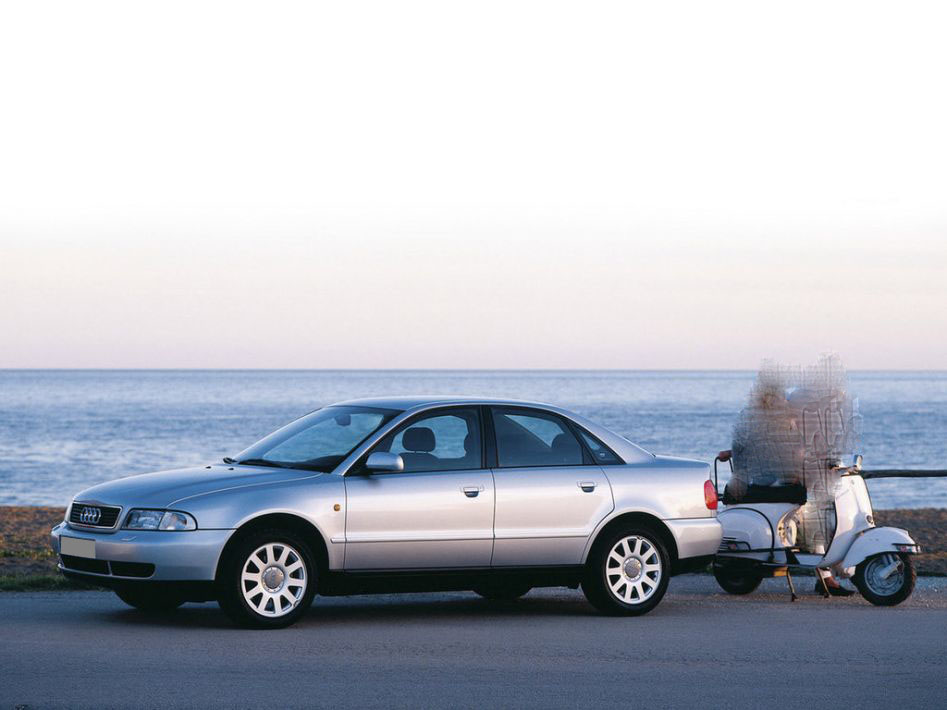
(786, 493)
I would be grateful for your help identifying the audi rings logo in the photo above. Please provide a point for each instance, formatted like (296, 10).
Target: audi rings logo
(89, 515)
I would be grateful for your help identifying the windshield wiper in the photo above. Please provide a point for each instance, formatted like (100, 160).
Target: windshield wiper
(227, 459)
(262, 462)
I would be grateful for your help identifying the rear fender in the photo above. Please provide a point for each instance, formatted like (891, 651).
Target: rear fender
(875, 541)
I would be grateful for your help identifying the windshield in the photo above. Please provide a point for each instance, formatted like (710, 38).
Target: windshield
(319, 441)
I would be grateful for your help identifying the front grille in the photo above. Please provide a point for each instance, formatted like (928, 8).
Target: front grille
(94, 516)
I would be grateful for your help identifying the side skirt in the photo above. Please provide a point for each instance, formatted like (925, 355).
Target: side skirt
(451, 580)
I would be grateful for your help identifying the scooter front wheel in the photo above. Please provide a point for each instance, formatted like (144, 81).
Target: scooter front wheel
(736, 578)
(886, 579)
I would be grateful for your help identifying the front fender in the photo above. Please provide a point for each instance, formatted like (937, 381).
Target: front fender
(875, 541)
(314, 500)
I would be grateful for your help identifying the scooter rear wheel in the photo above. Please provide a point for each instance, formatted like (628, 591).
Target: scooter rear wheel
(886, 579)
(736, 578)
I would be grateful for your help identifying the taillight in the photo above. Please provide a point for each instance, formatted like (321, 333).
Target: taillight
(710, 495)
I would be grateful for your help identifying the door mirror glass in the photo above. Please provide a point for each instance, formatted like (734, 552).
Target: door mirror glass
(384, 462)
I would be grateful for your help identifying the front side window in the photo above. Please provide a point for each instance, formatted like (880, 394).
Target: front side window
(534, 439)
(319, 441)
(442, 441)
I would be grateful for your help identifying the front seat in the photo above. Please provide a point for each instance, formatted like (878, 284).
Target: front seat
(418, 442)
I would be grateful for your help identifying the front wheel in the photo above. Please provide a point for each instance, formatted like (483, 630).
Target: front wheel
(736, 579)
(886, 579)
(268, 580)
(627, 572)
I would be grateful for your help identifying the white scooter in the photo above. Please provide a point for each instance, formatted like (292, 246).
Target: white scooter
(759, 540)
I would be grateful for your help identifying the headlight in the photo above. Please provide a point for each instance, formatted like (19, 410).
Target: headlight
(141, 519)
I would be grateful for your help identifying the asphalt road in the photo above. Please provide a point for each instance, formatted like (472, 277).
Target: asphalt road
(700, 647)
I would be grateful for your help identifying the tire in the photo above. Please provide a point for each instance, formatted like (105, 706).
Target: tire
(627, 572)
(267, 580)
(736, 579)
(503, 592)
(149, 600)
(885, 591)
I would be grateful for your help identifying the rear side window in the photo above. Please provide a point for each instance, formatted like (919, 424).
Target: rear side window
(601, 454)
(534, 439)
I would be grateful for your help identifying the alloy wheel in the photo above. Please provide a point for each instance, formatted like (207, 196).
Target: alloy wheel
(273, 580)
(633, 569)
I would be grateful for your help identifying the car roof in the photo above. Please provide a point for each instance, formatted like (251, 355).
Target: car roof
(406, 402)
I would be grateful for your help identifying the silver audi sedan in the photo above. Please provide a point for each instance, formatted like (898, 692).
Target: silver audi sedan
(401, 494)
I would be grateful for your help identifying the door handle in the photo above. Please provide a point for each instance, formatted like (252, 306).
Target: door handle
(471, 491)
(587, 486)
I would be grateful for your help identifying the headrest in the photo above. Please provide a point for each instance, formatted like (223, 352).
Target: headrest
(563, 443)
(418, 438)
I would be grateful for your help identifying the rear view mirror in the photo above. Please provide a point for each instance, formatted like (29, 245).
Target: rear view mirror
(384, 462)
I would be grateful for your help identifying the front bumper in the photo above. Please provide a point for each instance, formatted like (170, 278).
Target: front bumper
(176, 556)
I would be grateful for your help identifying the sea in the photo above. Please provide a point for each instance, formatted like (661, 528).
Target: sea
(64, 430)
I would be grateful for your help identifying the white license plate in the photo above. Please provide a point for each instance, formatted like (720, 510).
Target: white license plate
(77, 547)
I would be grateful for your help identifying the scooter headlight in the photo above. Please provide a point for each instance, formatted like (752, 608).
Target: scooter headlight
(905, 547)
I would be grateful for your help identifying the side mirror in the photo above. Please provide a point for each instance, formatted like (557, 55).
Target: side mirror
(382, 461)
(857, 463)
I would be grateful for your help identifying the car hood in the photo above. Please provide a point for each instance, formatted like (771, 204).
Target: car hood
(162, 488)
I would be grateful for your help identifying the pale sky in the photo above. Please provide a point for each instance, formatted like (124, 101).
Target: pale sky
(404, 184)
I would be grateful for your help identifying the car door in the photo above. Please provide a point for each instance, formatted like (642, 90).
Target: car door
(438, 512)
(549, 496)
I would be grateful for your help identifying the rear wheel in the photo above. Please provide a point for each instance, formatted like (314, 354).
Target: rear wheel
(149, 600)
(736, 578)
(268, 580)
(627, 572)
(887, 579)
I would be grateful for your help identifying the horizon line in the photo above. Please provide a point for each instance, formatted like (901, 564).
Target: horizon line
(428, 369)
